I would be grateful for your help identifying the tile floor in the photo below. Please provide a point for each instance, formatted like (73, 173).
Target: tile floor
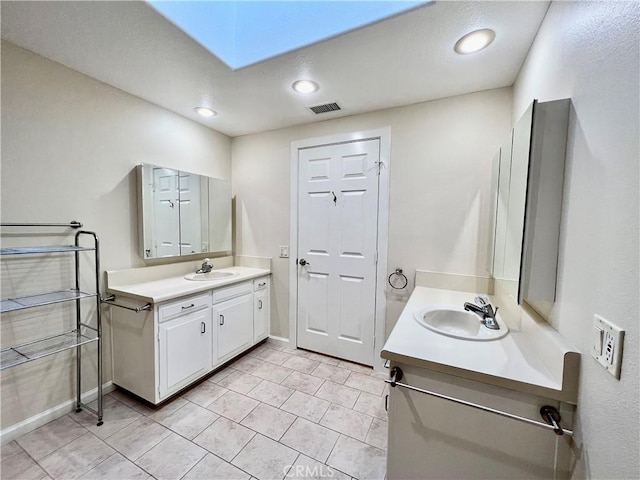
(274, 413)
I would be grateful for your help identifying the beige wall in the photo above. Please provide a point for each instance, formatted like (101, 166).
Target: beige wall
(589, 52)
(440, 172)
(69, 146)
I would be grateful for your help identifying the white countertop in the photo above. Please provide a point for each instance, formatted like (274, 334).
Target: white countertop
(536, 363)
(164, 289)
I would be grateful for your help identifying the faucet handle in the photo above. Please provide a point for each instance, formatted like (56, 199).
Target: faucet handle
(482, 300)
(206, 267)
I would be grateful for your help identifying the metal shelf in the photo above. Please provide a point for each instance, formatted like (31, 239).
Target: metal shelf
(27, 352)
(43, 249)
(43, 347)
(19, 303)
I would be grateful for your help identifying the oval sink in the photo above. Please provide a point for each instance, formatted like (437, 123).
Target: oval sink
(454, 321)
(213, 275)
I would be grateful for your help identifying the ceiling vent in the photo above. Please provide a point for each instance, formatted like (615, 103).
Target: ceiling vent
(324, 108)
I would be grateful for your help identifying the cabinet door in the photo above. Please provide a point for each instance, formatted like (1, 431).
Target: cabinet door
(260, 314)
(234, 320)
(184, 350)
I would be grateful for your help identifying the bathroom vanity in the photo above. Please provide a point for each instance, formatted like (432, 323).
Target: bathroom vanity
(434, 432)
(169, 332)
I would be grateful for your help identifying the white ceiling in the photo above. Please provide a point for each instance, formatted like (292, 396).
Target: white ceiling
(399, 61)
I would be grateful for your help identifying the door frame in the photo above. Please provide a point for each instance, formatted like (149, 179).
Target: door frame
(384, 136)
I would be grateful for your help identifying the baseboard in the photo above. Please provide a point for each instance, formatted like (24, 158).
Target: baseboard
(42, 418)
(279, 341)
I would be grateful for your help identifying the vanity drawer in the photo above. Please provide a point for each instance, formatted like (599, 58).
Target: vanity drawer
(231, 291)
(183, 306)
(260, 283)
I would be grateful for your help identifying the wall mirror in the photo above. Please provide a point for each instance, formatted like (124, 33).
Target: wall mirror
(181, 213)
(527, 191)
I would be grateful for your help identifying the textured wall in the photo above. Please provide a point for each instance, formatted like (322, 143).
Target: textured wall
(440, 172)
(69, 147)
(589, 52)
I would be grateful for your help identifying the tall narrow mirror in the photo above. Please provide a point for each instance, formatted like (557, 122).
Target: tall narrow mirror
(516, 205)
(193, 193)
(219, 215)
(528, 206)
(160, 219)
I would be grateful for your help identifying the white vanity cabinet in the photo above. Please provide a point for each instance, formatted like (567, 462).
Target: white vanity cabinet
(261, 309)
(184, 342)
(472, 408)
(233, 314)
(431, 437)
(158, 352)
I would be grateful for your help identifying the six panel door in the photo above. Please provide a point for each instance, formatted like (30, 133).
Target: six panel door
(337, 238)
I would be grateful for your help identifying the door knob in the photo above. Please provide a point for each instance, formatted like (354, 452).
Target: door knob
(303, 262)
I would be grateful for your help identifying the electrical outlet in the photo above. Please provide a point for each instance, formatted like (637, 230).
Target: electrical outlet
(607, 345)
(284, 251)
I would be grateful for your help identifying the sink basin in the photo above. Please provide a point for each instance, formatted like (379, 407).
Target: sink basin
(213, 275)
(455, 321)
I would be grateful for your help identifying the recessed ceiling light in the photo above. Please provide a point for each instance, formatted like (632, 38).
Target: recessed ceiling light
(205, 112)
(305, 86)
(475, 41)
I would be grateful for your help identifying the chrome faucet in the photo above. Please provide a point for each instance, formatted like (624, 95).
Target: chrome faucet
(484, 309)
(206, 267)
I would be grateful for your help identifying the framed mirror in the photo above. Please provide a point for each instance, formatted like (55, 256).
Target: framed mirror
(182, 213)
(528, 203)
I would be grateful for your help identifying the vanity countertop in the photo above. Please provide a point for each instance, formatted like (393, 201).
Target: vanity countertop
(531, 358)
(164, 289)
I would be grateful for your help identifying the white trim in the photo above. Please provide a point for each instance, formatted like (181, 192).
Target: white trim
(278, 341)
(16, 431)
(384, 135)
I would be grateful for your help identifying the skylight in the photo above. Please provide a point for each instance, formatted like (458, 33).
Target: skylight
(241, 33)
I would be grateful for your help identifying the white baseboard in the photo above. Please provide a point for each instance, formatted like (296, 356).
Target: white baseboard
(279, 341)
(42, 418)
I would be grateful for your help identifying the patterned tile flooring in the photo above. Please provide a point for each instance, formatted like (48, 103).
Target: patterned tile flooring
(274, 413)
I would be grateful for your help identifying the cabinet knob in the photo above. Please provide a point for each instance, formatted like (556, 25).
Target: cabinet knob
(221, 319)
(188, 307)
(259, 304)
(203, 327)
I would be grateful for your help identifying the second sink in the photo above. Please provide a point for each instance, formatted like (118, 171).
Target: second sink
(454, 321)
(213, 275)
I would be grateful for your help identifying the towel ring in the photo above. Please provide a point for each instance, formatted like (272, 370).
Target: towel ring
(403, 279)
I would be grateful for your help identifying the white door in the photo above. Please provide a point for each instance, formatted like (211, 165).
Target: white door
(166, 233)
(337, 242)
(185, 350)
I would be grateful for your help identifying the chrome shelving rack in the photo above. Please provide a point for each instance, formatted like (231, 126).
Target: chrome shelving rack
(73, 339)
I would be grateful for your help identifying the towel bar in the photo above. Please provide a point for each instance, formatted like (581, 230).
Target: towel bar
(111, 301)
(548, 413)
(72, 224)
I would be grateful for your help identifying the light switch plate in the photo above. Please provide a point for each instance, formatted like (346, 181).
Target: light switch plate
(607, 347)
(284, 251)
